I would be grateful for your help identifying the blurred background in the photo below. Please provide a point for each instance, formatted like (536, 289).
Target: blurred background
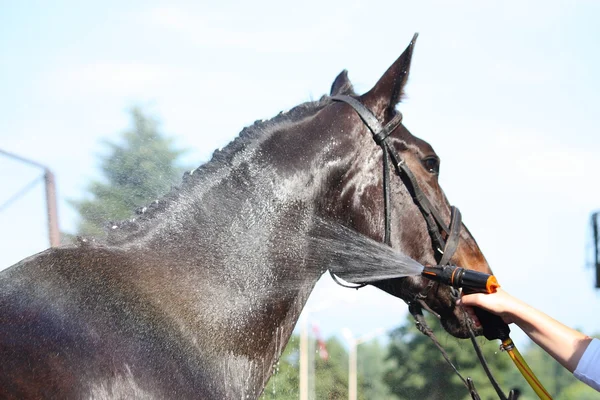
(506, 92)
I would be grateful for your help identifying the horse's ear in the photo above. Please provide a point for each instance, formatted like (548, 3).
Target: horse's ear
(388, 91)
(342, 85)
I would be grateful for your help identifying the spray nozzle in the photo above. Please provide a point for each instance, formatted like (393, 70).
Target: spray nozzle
(458, 277)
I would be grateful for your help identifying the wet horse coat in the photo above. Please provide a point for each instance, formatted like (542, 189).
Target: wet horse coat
(197, 296)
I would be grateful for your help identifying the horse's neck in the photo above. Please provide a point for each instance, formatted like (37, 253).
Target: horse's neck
(234, 250)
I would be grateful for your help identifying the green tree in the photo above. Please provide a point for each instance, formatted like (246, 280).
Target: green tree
(285, 382)
(330, 375)
(577, 390)
(372, 365)
(137, 169)
(420, 372)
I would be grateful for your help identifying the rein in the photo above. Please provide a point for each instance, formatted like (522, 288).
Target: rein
(444, 238)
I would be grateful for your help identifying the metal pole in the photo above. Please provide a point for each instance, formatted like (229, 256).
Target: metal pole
(51, 205)
(352, 376)
(596, 247)
(304, 360)
(53, 231)
(353, 358)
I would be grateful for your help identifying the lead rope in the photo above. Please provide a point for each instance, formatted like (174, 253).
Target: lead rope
(421, 324)
(415, 307)
(513, 394)
(449, 249)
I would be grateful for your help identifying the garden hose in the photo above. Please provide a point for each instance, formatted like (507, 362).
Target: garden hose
(515, 355)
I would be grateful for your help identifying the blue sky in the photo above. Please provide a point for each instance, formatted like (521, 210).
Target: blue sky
(506, 92)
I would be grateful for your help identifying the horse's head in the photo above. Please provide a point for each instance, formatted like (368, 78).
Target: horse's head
(360, 194)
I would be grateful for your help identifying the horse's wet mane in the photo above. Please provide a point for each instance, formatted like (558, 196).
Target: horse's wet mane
(119, 231)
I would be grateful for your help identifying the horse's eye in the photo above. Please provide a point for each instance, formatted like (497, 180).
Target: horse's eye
(432, 164)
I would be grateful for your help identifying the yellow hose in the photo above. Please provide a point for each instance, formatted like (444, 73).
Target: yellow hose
(527, 373)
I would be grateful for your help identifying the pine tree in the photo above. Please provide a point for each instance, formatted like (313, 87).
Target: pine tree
(139, 168)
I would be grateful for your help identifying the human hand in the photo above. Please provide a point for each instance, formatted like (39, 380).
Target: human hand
(500, 303)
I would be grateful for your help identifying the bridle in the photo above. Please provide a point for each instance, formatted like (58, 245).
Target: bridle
(445, 238)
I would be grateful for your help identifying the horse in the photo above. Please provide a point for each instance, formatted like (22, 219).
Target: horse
(197, 295)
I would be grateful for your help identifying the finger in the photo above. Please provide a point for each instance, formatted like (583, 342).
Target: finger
(472, 299)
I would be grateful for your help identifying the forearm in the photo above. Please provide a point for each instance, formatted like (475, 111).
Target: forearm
(564, 344)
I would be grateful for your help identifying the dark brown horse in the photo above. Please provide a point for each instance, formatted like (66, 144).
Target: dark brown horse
(197, 296)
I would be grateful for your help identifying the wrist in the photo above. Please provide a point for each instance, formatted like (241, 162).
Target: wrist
(516, 311)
